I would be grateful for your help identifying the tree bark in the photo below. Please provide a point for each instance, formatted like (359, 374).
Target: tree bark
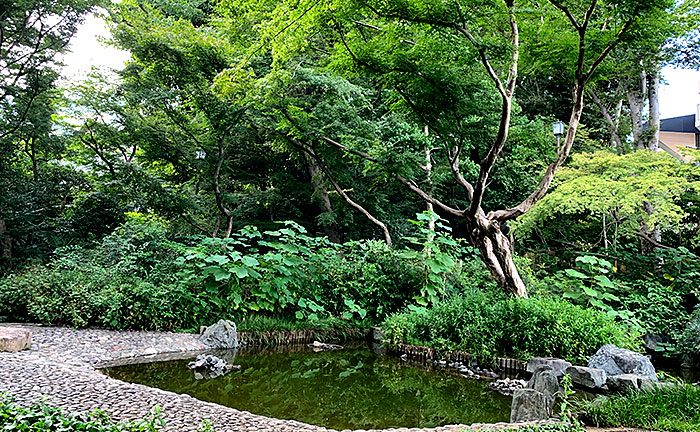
(324, 199)
(219, 194)
(636, 100)
(496, 253)
(654, 112)
(612, 124)
(5, 240)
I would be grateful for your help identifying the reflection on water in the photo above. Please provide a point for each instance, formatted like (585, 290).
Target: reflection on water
(351, 388)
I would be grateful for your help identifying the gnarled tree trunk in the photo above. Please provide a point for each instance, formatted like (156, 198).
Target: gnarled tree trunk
(496, 252)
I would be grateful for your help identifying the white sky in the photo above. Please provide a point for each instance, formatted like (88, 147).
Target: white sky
(87, 50)
(678, 96)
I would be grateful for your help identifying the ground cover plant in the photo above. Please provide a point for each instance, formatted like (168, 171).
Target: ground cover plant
(489, 325)
(673, 409)
(41, 417)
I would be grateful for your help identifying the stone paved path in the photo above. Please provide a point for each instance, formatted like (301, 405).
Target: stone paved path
(61, 364)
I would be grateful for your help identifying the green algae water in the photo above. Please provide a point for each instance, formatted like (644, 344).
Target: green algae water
(353, 388)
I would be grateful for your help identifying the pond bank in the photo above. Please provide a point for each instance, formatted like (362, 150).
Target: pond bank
(61, 364)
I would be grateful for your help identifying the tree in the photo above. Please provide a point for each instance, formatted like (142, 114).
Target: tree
(419, 52)
(32, 35)
(606, 193)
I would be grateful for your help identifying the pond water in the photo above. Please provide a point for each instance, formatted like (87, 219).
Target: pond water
(353, 388)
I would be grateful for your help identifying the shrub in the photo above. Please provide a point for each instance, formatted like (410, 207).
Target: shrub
(663, 409)
(689, 340)
(137, 278)
(125, 281)
(491, 325)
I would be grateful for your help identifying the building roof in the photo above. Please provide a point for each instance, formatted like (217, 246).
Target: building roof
(680, 124)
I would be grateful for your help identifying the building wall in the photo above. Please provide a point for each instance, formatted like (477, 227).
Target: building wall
(677, 141)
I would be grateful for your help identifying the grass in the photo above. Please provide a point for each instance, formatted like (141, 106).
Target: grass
(673, 409)
(563, 427)
(277, 323)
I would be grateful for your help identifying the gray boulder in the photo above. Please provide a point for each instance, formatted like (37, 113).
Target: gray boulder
(625, 383)
(221, 335)
(589, 378)
(619, 361)
(557, 365)
(545, 381)
(530, 405)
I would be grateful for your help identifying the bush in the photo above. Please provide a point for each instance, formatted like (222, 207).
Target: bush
(689, 340)
(663, 409)
(128, 280)
(40, 417)
(491, 325)
(137, 278)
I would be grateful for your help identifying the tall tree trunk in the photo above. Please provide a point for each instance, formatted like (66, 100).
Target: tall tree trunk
(637, 100)
(612, 124)
(323, 198)
(5, 240)
(654, 112)
(35, 165)
(219, 194)
(618, 114)
(429, 174)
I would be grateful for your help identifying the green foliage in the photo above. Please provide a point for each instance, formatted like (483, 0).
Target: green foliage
(592, 287)
(601, 184)
(41, 417)
(126, 281)
(671, 409)
(490, 325)
(137, 277)
(689, 340)
(439, 255)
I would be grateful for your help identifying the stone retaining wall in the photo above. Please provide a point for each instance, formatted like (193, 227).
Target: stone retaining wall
(427, 355)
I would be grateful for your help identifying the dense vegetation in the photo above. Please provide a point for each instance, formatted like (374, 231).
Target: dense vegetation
(490, 326)
(265, 161)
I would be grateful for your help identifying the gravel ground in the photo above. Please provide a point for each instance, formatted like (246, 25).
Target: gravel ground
(61, 365)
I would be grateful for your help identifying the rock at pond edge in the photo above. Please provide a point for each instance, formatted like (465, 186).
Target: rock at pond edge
(557, 365)
(530, 405)
(619, 361)
(586, 377)
(222, 335)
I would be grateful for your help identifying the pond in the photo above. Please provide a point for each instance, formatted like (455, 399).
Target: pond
(352, 388)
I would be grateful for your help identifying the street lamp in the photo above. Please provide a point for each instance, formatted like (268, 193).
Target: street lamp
(558, 130)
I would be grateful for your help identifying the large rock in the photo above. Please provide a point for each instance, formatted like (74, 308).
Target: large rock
(625, 383)
(545, 381)
(619, 361)
(557, 365)
(530, 405)
(14, 339)
(221, 335)
(586, 377)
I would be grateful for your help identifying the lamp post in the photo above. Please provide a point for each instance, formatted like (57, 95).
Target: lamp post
(558, 130)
